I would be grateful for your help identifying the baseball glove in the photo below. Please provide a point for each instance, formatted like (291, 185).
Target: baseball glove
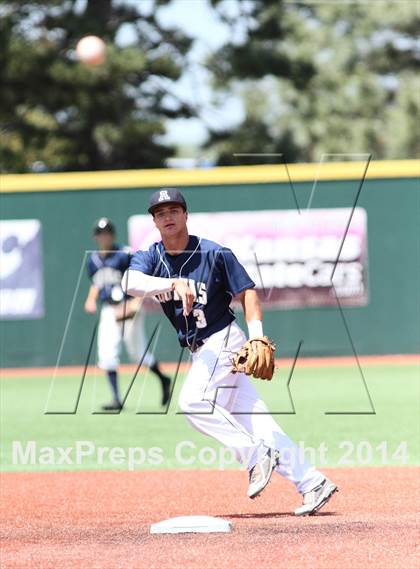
(256, 358)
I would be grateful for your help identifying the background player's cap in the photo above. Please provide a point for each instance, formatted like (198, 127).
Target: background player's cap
(103, 225)
(165, 196)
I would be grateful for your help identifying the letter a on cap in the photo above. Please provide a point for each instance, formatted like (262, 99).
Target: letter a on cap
(163, 195)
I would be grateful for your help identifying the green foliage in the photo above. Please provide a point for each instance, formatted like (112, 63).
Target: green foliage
(65, 115)
(321, 78)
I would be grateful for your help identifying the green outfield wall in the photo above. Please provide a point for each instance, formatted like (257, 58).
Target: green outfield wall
(67, 205)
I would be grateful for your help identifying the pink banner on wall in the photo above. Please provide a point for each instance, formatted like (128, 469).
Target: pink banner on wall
(291, 256)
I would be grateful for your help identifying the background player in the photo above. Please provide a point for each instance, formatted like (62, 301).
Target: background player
(105, 268)
(195, 280)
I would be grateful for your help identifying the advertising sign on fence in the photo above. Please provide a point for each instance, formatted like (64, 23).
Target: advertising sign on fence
(296, 259)
(21, 274)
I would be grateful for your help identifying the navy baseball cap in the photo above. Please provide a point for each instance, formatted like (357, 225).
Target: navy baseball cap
(165, 196)
(103, 225)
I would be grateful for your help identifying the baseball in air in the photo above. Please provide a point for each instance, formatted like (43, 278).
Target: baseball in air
(91, 50)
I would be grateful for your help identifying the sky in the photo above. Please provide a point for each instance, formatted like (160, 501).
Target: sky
(198, 20)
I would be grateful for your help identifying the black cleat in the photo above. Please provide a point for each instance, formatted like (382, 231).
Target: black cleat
(166, 389)
(114, 406)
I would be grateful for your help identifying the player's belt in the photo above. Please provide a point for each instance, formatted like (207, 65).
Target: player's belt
(195, 345)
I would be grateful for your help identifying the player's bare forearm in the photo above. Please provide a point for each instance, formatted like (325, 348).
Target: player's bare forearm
(93, 292)
(135, 303)
(251, 305)
(92, 297)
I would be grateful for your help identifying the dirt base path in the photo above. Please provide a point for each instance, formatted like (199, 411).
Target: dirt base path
(102, 520)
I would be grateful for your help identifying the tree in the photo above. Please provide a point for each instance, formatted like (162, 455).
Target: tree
(321, 78)
(59, 114)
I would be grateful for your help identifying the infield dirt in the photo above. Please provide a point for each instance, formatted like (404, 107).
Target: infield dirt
(102, 520)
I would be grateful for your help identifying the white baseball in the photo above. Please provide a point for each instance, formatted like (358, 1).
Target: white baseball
(91, 50)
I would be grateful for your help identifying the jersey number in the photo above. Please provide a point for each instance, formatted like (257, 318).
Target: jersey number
(200, 319)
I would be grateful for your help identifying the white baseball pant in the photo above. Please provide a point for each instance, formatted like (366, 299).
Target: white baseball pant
(110, 339)
(227, 406)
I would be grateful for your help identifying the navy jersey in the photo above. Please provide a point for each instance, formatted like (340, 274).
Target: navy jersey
(106, 272)
(213, 273)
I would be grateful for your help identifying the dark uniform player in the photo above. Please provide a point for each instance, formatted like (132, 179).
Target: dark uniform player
(105, 268)
(195, 280)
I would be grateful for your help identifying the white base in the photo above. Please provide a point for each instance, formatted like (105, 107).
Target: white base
(192, 524)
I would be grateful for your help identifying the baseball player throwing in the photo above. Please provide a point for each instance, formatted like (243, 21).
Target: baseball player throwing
(119, 314)
(195, 280)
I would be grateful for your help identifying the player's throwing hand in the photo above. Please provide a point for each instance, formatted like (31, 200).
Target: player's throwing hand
(185, 294)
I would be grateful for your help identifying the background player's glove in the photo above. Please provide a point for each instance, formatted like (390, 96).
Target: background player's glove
(126, 310)
(256, 358)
